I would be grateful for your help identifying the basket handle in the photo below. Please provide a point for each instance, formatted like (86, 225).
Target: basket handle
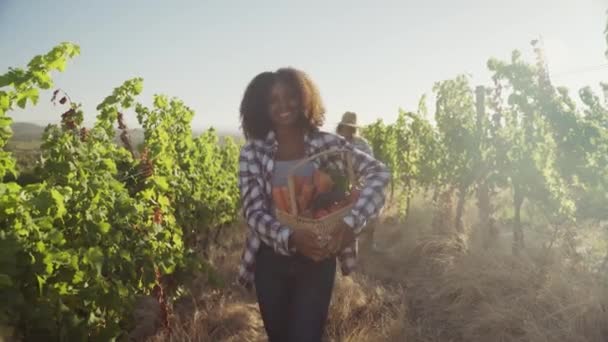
(290, 175)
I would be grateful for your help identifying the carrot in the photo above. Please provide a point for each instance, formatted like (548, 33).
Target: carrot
(286, 199)
(316, 179)
(299, 182)
(323, 182)
(277, 197)
(305, 196)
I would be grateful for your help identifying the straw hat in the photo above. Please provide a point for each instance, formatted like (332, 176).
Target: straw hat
(349, 119)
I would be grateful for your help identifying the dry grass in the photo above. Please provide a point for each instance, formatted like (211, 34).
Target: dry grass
(362, 310)
(224, 319)
(426, 288)
(460, 295)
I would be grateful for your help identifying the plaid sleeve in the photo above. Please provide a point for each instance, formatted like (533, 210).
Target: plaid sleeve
(255, 204)
(370, 149)
(375, 177)
(363, 145)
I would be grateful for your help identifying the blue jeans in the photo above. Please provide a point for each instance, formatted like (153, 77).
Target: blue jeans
(293, 295)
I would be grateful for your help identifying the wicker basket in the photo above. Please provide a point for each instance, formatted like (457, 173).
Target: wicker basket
(322, 227)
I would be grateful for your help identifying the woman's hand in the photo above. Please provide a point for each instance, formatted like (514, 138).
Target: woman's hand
(307, 243)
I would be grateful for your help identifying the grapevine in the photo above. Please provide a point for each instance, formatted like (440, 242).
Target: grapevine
(104, 225)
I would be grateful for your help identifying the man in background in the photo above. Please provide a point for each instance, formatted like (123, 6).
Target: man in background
(348, 129)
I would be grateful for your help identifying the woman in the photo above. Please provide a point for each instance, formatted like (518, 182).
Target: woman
(281, 113)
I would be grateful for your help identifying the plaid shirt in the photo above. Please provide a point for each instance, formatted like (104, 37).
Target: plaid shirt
(362, 145)
(256, 164)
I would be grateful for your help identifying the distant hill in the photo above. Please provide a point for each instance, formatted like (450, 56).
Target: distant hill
(30, 132)
(25, 131)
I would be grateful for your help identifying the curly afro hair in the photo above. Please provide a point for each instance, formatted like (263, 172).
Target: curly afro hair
(255, 106)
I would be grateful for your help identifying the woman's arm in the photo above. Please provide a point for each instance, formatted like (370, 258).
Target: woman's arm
(376, 177)
(255, 202)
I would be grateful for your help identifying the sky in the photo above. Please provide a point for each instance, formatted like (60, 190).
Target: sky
(370, 57)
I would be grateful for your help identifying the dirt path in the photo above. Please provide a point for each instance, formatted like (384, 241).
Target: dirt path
(367, 306)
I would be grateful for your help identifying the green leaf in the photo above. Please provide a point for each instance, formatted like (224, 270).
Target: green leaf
(41, 281)
(177, 240)
(110, 165)
(58, 64)
(123, 291)
(78, 277)
(63, 289)
(163, 201)
(94, 257)
(9, 188)
(47, 260)
(162, 183)
(21, 102)
(104, 227)
(5, 80)
(147, 194)
(5, 281)
(56, 237)
(59, 203)
(31, 94)
(161, 102)
(4, 100)
(44, 79)
(125, 255)
(138, 86)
